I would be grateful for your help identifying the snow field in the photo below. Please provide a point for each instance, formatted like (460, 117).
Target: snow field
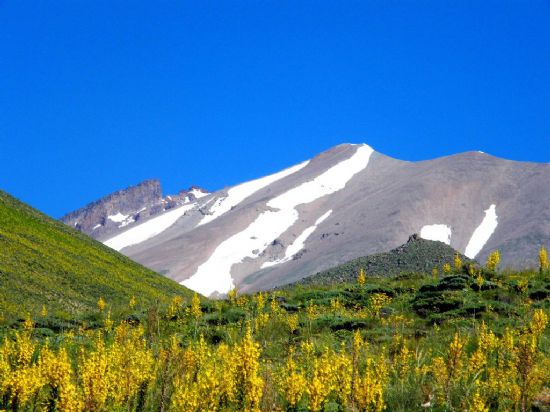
(198, 193)
(482, 233)
(214, 275)
(237, 194)
(441, 233)
(298, 243)
(118, 218)
(148, 229)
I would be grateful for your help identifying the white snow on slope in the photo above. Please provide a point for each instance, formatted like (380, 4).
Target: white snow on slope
(118, 218)
(482, 233)
(124, 220)
(97, 226)
(298, 243)
(148, 229)
(442, 233)
(237, 194)
(127, 222)
(214, 275)
(198, 193)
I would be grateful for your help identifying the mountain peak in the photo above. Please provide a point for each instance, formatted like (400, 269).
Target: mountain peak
(344, 203)
(125, 207)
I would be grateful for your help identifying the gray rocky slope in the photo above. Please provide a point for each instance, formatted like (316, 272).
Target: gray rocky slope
(345, 203)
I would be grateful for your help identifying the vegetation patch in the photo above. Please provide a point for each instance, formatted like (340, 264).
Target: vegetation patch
(377, 343)
(461, 337)
(45, 263)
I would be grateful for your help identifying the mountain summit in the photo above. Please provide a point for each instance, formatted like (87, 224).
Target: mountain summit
(347, 202)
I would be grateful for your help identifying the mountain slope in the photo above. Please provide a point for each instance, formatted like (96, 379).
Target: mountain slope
(44, 262)
(416, 256)
(347, 202)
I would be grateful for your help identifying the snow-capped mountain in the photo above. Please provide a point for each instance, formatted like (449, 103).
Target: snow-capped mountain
(347, 202)
(111, 214)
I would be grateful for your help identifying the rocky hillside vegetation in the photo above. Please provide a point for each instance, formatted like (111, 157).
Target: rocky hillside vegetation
(416, 256)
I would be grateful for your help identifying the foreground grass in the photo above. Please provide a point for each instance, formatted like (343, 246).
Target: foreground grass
(410, 342)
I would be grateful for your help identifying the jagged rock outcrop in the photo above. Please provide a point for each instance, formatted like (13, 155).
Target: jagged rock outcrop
(124, 208)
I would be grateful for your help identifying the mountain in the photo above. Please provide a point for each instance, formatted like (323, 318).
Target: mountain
(110, 214)
(416, 256)
(347, 202)
(44, 262)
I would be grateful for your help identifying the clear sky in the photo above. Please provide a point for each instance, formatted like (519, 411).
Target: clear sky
(99, 95)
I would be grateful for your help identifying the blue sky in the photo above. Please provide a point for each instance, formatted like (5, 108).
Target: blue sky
(99, 95)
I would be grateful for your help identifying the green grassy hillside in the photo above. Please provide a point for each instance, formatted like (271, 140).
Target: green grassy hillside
(44, 262)
(473, 339)
(451, 343)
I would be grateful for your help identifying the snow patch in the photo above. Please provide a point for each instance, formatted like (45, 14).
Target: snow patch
(298, 243)
(97, 226)
(237, 194)
(198, 193)
(118, 218)
(215, 274)
(148, 229)
(127, 222)
(482, 233)
(441, 233)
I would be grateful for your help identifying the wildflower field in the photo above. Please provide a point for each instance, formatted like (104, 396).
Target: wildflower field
(466, 339)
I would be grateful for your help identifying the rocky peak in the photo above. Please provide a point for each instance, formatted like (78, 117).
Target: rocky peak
(112, 213)
(117, 209)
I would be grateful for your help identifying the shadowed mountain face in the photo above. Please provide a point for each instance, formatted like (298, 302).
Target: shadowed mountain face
(345, 203)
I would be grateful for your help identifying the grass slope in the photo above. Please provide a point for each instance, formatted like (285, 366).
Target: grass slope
(416, 256)
(44, 262)
(304, 338)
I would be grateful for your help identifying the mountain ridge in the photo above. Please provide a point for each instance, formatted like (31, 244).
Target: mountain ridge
(105, 216)
(466, 200)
